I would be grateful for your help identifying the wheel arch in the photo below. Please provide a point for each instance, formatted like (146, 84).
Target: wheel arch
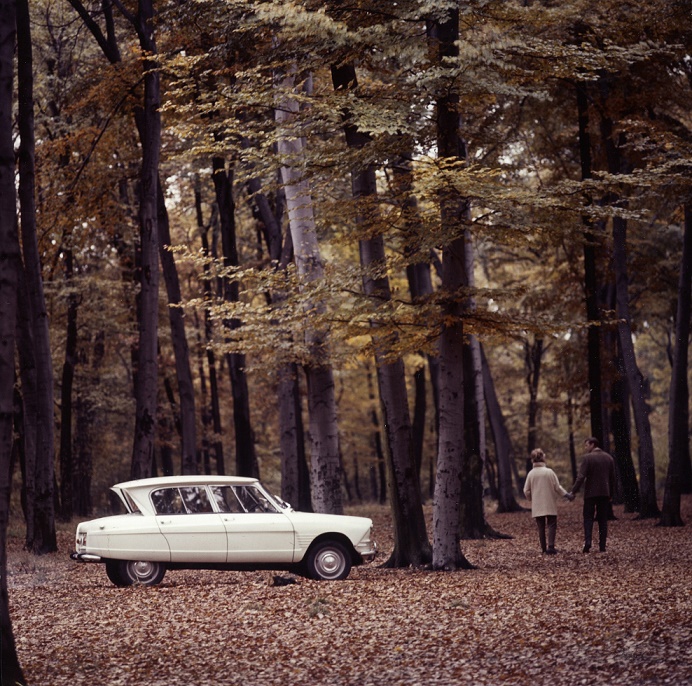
(335, 536)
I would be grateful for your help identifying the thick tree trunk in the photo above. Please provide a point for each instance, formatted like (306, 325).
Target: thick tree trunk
(246, 456)
(324, 432)
(503, 443)
(10, 669)
(44, 538)
(146, 383)
(679, 414)
(181, 349)
(453, 214)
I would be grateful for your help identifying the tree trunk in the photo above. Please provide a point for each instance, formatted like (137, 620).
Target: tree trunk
(503, 443)
(411, 545)
(295, 476)
(44, 538)
(591, 242)
(679, 414)
(10, 669)
(647, 472)
(447, 554)
(533, 356)
(181, 349)
(620, 421)
(215, 405)
(246, 456)
(324, 432)
(148, 312)
(67, 461)
(635, 381)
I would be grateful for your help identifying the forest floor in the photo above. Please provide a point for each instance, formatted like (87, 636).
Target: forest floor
(623, 617)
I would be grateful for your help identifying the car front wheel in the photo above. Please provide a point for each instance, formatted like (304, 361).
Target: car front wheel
(138, 572)
(328, 561)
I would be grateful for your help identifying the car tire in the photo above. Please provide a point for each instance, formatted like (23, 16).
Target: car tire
(328, 560)
(140, 572)
(114, 573)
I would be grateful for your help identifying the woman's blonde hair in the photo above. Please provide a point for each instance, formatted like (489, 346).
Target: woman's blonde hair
(537, 455)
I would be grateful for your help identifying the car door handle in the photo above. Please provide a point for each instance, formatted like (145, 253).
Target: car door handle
(164, 521)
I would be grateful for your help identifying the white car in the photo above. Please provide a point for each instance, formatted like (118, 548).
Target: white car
(218, 522)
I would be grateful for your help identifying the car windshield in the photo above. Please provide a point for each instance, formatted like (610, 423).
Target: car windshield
(242, 499)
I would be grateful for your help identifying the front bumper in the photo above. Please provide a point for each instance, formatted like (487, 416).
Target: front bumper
(85, 557)
(368, 550)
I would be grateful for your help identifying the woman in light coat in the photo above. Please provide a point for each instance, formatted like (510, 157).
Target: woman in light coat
(542, 488)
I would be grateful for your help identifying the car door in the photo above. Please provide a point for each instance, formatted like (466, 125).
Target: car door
(255, 530)
(194, 532)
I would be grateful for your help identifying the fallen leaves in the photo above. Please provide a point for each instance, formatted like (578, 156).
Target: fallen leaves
(621, 617)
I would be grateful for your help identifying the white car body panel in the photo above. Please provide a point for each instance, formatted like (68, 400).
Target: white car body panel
(214, 521)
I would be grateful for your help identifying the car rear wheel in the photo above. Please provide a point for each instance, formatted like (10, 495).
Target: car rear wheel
(114, 573)
(328, 561)
(140, 572)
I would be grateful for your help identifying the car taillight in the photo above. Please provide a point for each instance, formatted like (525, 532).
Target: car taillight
(81, 541)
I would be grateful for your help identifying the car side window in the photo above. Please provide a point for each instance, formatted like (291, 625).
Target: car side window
(253, 500)
(225, 499)
(196, 499)
(168, 501)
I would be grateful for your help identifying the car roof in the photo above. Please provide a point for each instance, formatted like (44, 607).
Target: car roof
(185, 480)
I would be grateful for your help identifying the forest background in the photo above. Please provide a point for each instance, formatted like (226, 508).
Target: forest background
(361, 252)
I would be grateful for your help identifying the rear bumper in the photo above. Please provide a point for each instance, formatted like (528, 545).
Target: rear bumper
(85, 557)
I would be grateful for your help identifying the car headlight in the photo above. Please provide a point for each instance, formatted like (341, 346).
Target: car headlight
(81, 541)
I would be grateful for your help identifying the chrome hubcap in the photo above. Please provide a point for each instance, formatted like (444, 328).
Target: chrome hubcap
(142, 570)
(330, 563)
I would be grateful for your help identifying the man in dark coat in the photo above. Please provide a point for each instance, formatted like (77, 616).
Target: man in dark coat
(597, 475)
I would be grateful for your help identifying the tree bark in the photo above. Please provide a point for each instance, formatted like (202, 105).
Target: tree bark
(10, 669)
(324, 432)
(503, 443)
(647, 472)
(442, 35)
(215, 407)
(411, 545)
(44, 535)
(68, 370)
(246, 456)
(591, 242)
(181, 349)
(146, 379)
(679, 414)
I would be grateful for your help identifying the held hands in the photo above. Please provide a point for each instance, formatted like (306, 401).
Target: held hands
(570, 496)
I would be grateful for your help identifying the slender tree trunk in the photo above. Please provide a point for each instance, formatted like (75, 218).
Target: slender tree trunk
(411, 545)
(246, 456)
(533, 356)
(215, 405)
(295, 476)
(324, 432)
(44, 539)
(635, 380)
(620, 421)
(148, 316)
(181, 349)
(591, 242)
(453, 214)
(10, 669)
(503, 443)
(647, 475)
(67, 461)
(679, 413)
